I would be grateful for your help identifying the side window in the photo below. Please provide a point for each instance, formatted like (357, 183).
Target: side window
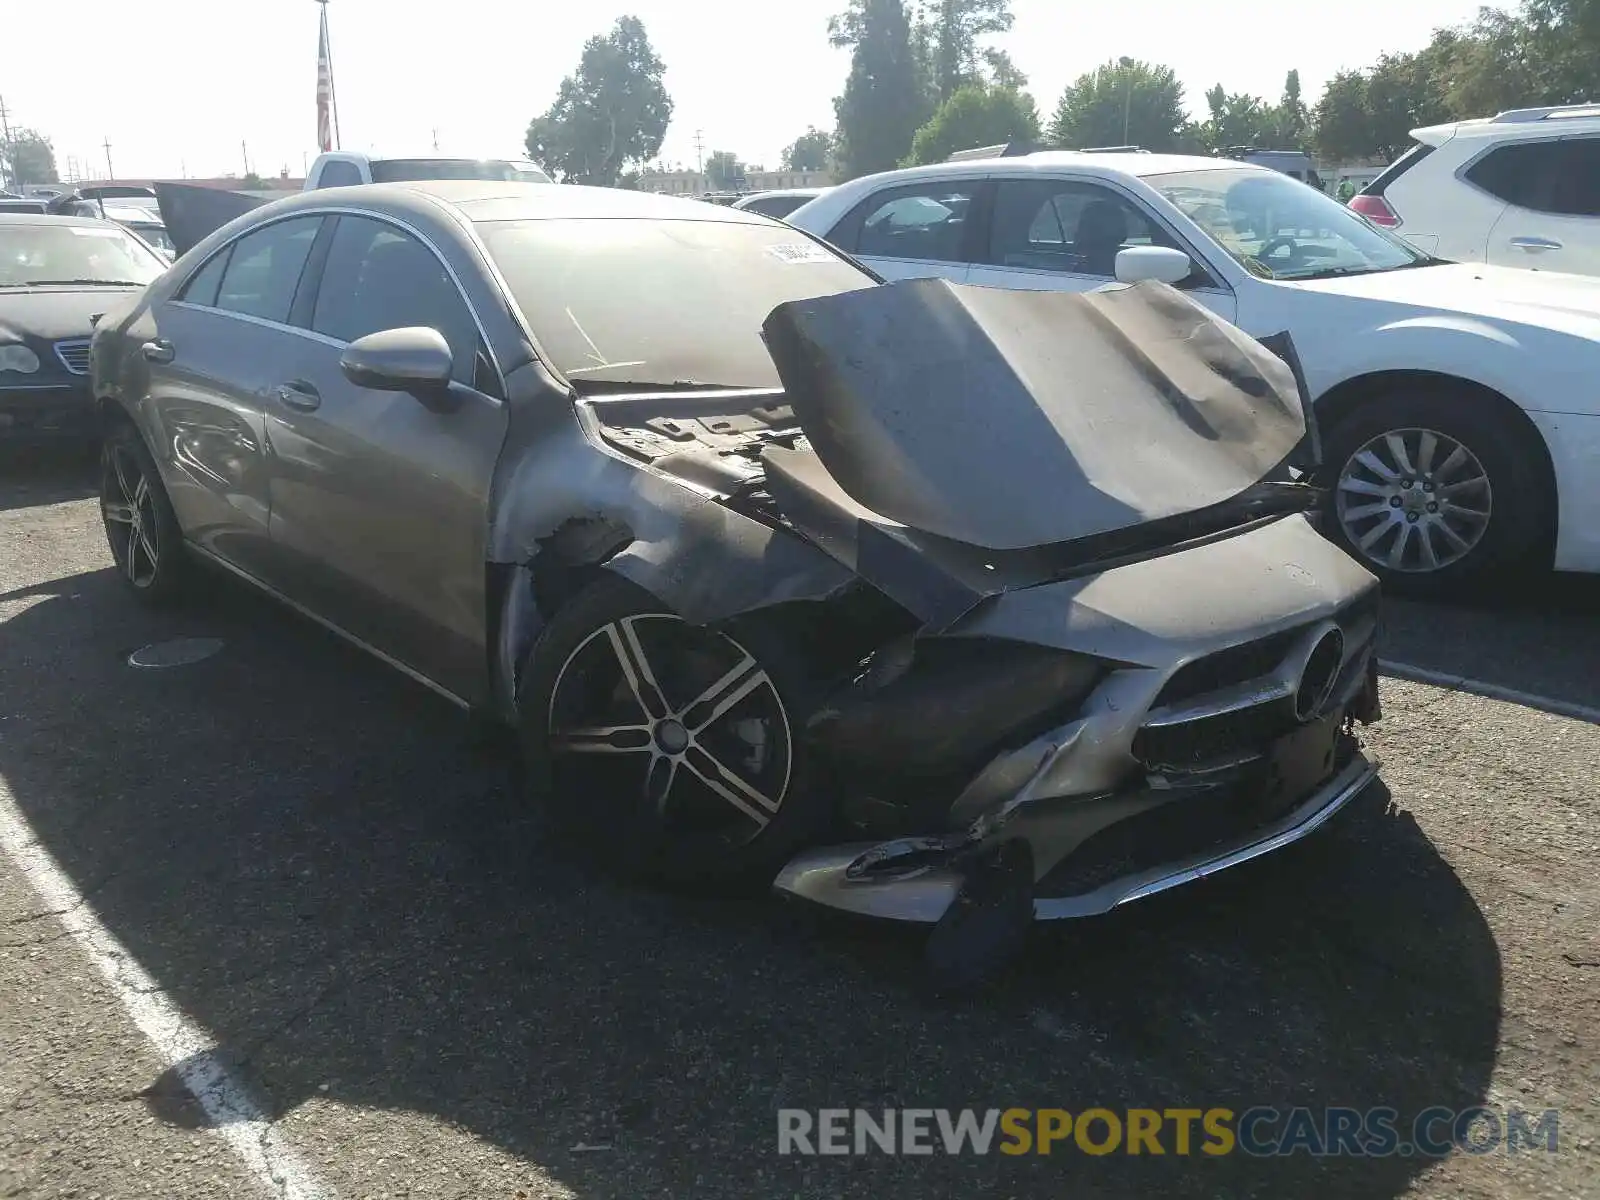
(264, 269)
(203, 284)
(1057, 225)
(379, 277)
(339, 174)
(926, 221)
(1575, 187)
(1519, 173)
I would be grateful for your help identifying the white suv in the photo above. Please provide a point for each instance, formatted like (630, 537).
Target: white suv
(1521, 189)
(350, 168)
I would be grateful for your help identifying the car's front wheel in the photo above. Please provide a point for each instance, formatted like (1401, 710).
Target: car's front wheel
(1436, 492)
(141, 528)
(673, 750)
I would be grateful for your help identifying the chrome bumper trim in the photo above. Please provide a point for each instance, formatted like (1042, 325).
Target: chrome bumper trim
(921, 896)
(1310, 816)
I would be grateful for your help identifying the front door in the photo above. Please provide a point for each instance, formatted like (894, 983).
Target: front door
(379, 502)
(1063, 235)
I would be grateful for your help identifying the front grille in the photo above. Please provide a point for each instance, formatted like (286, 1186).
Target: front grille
(74, 355)
(1241, 725)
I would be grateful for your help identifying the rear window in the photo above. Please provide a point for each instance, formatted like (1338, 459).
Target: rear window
(775, 206)
(658, 302)
(1397, 168)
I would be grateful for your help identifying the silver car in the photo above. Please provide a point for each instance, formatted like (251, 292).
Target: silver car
(942, 604)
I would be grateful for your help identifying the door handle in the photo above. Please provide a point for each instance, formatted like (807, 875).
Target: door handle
(299, 395)
(1535, 244)
(158, 351)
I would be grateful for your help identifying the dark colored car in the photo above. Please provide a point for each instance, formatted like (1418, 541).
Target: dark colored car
(942, 604)
(57, 275)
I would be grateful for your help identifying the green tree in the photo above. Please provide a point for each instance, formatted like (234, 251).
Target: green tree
(29, 158)
(884, 103)
(1343, 121)
(1291, 120)
(724, 171)
(1236, 119)
(1121, 103)
(956, 28)
(1403, 92)
(811, 151)
(975, 116)
(1002, 71)
(610, 115)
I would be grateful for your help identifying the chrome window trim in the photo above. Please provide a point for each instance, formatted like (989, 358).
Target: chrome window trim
(350, 210)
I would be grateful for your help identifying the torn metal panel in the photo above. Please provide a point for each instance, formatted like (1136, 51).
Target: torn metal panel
(1008, 419)
(191, 214)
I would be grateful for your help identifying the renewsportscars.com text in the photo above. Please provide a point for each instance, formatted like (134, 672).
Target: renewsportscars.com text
(1259, 1131)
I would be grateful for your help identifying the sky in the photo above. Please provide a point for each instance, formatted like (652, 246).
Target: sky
(179, 89)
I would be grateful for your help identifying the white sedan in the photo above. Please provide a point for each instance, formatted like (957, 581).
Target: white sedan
(1458, 408)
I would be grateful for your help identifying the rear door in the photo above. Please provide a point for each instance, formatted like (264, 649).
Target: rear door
(211, 353)
(380, 505)
(1063, 235)
(929, 228)
(1551, 221)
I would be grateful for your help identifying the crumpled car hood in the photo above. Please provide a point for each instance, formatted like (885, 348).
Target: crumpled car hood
(1006, 420)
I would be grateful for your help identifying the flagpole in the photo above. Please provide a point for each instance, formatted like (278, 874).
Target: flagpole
(333, 91)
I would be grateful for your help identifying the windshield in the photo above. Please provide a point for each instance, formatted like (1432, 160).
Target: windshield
(1279, 228)
(395, 170)
(660, 302)
(66, 253)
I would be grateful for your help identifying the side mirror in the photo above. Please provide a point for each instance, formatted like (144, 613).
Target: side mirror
(414, 360)
(1138, 263)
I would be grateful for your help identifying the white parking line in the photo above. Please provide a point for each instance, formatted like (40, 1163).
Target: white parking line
(1489, 691)
(180, 1042)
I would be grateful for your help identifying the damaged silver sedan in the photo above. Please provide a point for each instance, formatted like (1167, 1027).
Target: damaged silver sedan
(933, 603)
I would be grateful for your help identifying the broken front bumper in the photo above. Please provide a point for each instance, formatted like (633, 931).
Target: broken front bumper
(840, 877)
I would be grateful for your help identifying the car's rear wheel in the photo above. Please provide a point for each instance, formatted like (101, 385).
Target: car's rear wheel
(1435, 492)
(141, 527)
(673, 750)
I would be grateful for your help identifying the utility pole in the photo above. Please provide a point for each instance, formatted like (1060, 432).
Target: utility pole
(1127, 103)
(699, 152)
(8, 173)
(244, 152)
(110, 173)
(436, 141)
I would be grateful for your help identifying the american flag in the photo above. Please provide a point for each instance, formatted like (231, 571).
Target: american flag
(324, 89)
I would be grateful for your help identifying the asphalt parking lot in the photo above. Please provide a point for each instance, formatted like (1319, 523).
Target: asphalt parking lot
(316, 863)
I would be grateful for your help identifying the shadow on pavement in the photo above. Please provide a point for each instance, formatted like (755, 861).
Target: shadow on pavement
(308, 854)
(1543, 638)
(49, 474)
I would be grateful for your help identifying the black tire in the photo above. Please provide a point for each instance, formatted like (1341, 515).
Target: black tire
(601, 801)
(1514, 538)
(153, 567)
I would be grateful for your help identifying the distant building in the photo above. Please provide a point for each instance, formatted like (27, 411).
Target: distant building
(696, 183)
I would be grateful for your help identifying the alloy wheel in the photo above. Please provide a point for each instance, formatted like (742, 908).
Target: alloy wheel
(1413, 500)
(680, 724)
(128, 506)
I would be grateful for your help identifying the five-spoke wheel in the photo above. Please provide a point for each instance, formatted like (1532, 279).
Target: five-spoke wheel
(673, 746)
(140, 527)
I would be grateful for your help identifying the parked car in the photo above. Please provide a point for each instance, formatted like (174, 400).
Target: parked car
(777, 203)
(1521, 189)
(1459, 431)
(57, 275)
(772, 590)
(346, 168)
(1296, 164)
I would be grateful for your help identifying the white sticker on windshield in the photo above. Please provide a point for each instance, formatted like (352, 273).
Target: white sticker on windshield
(799, 252)
(80, 231)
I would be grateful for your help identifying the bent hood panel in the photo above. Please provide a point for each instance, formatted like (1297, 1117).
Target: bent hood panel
(1011, 419)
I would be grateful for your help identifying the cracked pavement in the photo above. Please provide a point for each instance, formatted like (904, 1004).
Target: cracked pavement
(319, 863)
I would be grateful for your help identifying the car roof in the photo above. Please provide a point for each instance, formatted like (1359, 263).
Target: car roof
(21, 218)
(1554, 121)
(495, 200)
